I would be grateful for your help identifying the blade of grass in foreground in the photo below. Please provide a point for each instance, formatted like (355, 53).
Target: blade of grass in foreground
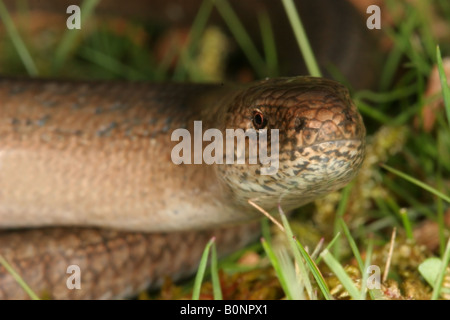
(298, 248)
(352, 243)
(22, 50)
(365, 274)
(217, 290)
(329, 246)
(339, 214)
(440, 278)
(201, 270)
(298, 259)
(339, 271)
(276, 265)
(18, 278)
(443, 78)
(441, 219)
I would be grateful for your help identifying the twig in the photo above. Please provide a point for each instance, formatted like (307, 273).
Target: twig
(268, 215)
(389, 258)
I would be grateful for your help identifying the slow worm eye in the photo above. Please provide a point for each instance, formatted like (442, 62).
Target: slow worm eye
(259, 120)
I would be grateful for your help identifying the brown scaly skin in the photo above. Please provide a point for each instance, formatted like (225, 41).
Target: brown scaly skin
(113, 264)
(321, 142)
(77, 154)
(98, 155)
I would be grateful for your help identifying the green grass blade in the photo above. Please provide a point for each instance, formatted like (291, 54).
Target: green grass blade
(315, 272)
(401, 41)
(18, 278)
(201, 270)
(302, 39)
(276, 265)
(370, 111)
(291, 273)
(270, 48)
(329, 246)
(388, 96)
(391, 64)
(426, 35)
(297, 256)
(339, 271)
(441, 220)
(18, 43)
(345, 194)
(406, 223)
(265, 230)
(352, 244)
(70, 37)
(444, 85)
(110, 63)
(440, 278)
(365, 274)
(217, 291)
(317, 249)
(299, 252)
(241, 36)
(417, 182)
(408, 197)
(198, 26)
